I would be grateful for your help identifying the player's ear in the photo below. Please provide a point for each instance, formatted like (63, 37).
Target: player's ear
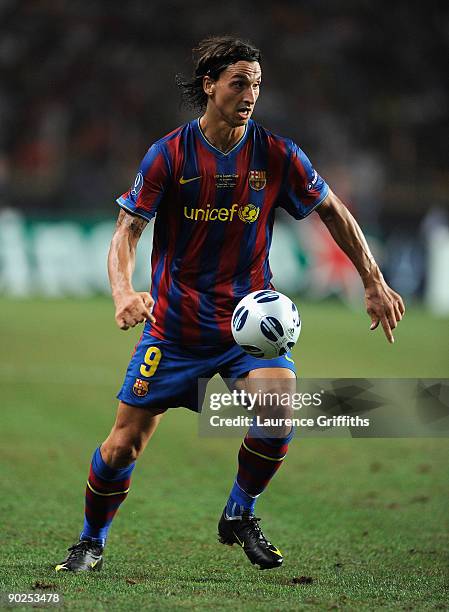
(208, 86)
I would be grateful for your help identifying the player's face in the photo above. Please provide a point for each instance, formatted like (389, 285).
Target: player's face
(235, 93)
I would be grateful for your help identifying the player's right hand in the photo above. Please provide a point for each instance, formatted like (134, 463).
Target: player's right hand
(134, 308)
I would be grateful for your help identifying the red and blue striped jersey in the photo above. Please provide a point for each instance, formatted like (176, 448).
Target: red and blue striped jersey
(214, 222)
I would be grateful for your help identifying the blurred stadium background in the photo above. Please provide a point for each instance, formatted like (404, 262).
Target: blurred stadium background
(87, 86)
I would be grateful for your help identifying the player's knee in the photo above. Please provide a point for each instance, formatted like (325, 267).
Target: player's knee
(119, 453)
(277, 400)
(276, 408)
(282, 427)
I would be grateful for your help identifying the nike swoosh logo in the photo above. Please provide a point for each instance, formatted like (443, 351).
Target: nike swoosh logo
(94, 563)
(60, 567)
(183, 181)
(276, 552)
(242, 544)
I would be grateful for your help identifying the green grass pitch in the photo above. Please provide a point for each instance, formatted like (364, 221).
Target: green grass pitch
(362, 523)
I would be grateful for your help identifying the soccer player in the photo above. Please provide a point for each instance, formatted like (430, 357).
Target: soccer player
(213, 186)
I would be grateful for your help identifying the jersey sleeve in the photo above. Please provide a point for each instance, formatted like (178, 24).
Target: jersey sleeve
(304, 189)
(144, 196)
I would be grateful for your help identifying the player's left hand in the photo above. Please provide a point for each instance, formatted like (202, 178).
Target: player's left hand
(384, 306)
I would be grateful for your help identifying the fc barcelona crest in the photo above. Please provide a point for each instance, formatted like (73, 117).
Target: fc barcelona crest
(257, 179)
(140, 387)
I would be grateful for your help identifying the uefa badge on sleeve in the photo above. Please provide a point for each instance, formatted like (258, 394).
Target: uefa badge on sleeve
(257, 179)
(138, 184)
(140, 387)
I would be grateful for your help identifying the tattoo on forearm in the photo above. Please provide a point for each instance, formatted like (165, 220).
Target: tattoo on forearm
(134, 225)
(120, 218)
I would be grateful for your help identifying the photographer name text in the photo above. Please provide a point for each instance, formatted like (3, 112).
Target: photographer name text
(320, 421)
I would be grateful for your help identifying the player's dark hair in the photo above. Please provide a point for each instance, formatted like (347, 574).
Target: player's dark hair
(210, 58)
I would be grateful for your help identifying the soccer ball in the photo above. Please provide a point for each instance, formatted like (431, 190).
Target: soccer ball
(266, 324)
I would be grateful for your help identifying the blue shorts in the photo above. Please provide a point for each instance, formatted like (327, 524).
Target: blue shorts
(165, 375)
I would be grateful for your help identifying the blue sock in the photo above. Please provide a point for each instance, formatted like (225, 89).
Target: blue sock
(256, 468)
(106, 489)
(238, 502)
